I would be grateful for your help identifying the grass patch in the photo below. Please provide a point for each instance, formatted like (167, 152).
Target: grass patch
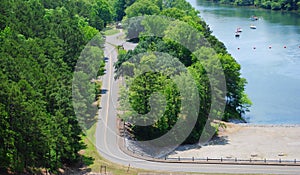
(94, 162)
(110, 31)
(90, 134)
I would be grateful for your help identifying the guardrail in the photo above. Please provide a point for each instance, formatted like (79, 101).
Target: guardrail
(233, 160)
(208, 160)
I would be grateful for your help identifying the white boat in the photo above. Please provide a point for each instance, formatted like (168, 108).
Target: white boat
(253, 18)
(239, 30)
(252, 27)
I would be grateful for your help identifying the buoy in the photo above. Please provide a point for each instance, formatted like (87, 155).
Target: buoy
(270, 47)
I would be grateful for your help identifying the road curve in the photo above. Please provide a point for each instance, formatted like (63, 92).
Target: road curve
(107, 135)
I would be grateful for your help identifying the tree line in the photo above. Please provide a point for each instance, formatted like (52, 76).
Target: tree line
(290, 5)
(41, 41)
(154, 35)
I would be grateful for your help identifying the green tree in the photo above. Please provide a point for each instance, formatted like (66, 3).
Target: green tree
(103, 11)
(120, 7)
(140, 8)
(237, 102)
(153, 97)
(133, 27)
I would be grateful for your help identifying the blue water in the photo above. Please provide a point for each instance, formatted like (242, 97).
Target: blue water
(273, 75)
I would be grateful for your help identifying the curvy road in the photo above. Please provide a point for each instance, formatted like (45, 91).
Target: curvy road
(107, 133)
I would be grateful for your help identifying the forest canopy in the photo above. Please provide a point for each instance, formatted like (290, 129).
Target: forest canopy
(41, 41)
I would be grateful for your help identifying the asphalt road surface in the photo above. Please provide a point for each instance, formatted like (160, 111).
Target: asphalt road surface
(107, 137)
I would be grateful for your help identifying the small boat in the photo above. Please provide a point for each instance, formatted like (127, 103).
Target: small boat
(254, 18)
(237, 34)
(238, 30)
(252, 27)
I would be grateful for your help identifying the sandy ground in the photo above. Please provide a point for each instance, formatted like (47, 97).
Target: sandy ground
(245, 141)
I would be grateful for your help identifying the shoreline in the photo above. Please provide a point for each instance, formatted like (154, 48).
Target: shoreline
(266, 125)
(244, 122)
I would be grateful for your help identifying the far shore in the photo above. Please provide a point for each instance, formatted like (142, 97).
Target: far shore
(248, 141)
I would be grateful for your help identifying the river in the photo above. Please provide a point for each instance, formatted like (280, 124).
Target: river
(269, 56)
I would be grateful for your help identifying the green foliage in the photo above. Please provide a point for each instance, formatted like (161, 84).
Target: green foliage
(142, 7)
(173, 13)
(101, 12)
(196, 49)
(268, 4)
(154, 25)
(133, 28)
(120, 6)
(180, 4)
(182, 32)
(237, 102)
(149, 91)
(41, 41)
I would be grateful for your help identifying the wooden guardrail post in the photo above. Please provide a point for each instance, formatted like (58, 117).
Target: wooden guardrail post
(102, 167)
(128, 168)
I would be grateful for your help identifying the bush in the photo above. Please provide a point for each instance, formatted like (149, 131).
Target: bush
(266, 4)
(275, 6)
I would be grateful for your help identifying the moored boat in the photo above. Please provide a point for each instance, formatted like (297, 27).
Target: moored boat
(238, 30)
(252, 27)
(254, 18)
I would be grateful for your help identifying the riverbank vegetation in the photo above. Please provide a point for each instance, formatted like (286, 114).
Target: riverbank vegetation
(290, 5)
(153, 36)
(41, 41)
